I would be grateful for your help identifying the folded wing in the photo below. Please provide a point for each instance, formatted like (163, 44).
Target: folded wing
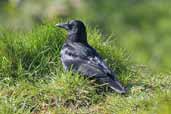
(89, 63)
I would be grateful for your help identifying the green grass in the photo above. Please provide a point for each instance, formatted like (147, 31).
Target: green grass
(32, 79)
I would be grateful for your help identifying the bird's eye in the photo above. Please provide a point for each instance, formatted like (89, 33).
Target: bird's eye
(71, 26)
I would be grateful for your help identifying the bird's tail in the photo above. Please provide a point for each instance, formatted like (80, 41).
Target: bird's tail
(116, 86)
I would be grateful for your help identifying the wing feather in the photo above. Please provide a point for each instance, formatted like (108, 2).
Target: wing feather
(86, 61)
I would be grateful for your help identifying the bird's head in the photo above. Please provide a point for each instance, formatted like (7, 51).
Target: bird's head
(74, 26)
(76, 30)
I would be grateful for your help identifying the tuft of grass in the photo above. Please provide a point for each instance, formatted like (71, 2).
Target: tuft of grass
(32, 79)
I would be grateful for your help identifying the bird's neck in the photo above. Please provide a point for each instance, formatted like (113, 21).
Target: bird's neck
(77, 37)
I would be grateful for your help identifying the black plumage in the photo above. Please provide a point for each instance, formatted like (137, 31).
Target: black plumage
(77, 55)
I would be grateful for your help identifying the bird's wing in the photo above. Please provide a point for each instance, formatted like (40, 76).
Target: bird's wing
(90, 64)
(80, 56)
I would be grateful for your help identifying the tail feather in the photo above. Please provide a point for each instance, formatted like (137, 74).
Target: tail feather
(116, 86)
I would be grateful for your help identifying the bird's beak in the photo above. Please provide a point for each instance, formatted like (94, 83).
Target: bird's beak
(63, 25)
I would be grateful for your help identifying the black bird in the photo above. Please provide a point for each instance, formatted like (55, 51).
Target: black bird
(77, 55)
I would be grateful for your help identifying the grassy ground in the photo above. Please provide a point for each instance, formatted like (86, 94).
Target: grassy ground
(32, 79)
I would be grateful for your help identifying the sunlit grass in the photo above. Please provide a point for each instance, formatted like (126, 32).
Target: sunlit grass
(32, 79)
